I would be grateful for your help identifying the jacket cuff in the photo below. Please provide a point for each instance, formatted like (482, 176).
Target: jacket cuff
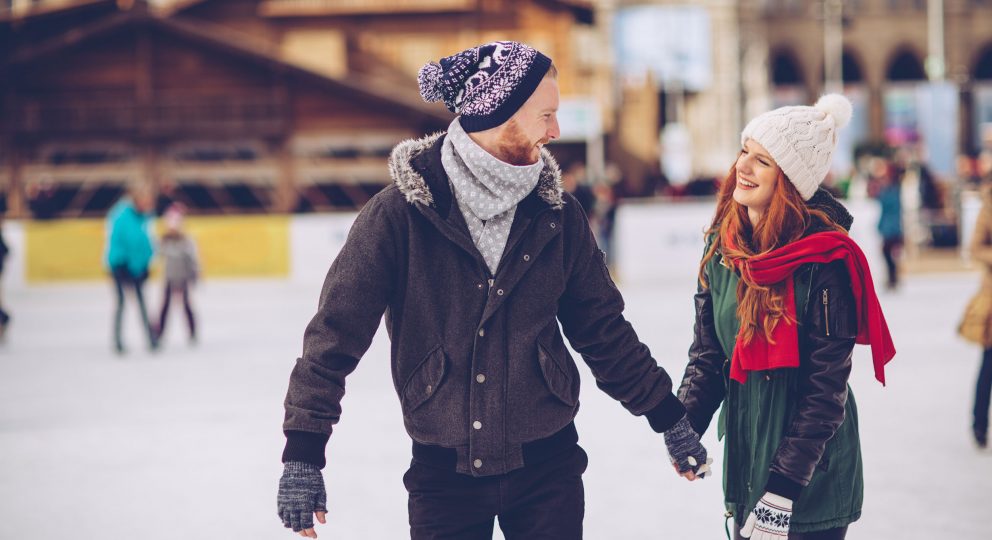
(664, 416)
(305, 446)
(780, 485)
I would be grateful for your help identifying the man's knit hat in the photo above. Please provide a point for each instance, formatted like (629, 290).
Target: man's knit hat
(802, 139)
(484, 84)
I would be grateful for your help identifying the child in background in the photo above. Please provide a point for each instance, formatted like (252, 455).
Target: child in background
(178, 254)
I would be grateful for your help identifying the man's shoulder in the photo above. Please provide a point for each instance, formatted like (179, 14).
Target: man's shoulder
(389, 200)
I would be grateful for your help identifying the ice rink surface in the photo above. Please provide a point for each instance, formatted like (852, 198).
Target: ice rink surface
(185, 443)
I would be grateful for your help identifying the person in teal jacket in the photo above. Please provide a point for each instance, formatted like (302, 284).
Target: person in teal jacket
(128, 255)
(784, 294)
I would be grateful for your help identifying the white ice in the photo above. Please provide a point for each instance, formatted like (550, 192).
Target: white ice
(185, 443)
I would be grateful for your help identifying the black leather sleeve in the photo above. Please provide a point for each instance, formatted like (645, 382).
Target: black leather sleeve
(703, 386)
(827, 336)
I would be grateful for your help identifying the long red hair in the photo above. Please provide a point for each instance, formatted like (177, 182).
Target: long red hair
(786, 220)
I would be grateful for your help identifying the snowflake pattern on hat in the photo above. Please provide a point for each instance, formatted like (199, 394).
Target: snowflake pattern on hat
(485, 91)
(486, 83)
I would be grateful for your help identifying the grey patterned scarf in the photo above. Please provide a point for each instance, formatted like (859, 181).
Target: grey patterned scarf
(487, 190)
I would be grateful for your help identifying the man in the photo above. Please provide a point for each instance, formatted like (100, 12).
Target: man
(475, 254)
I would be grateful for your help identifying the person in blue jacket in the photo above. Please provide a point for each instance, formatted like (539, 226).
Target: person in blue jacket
(129, 254)
(890, 222)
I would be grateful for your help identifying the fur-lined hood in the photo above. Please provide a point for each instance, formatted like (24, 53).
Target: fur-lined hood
(415, 188)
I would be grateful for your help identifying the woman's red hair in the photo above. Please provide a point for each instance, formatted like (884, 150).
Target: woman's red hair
(786, 220)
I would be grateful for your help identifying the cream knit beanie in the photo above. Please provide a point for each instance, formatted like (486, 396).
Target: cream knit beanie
(802, 139)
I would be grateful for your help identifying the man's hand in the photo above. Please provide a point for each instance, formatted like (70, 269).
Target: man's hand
(687, 453)
(769, 520)
(301, 495)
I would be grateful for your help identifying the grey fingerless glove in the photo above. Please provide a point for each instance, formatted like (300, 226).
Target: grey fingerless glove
(301, 493)
(684, 447)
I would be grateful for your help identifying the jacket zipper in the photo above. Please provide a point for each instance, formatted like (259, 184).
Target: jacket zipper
(826, 311)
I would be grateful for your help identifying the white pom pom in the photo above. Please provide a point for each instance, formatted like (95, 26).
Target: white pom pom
(836, 106)
(429, 81)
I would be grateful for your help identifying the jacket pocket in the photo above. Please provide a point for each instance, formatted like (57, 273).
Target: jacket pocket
(425, 380)
(557, 376)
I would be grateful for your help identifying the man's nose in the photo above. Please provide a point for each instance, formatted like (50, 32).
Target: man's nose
(554, 131)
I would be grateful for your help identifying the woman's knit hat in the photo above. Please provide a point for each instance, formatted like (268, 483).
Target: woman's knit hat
(484, 84)
(802, 139)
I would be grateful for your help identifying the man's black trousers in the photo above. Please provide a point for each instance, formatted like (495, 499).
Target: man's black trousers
(542, 501)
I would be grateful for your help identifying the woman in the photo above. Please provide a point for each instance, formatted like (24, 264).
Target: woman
(976, 325)
(784, 295)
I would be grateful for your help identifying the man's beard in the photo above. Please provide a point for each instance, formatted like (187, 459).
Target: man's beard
(514, 147)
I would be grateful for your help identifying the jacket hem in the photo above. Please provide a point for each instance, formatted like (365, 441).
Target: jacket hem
(834, 523)
(534, 452)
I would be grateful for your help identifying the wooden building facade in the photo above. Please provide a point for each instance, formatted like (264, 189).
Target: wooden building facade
(231, 106)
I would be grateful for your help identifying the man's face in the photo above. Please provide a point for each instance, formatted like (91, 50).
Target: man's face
(531, 127)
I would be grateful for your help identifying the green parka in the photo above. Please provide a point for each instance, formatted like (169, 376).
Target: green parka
(793, 432)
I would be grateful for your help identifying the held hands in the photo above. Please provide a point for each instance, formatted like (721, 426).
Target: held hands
(687, 453)
(301, 495)
(769, 520)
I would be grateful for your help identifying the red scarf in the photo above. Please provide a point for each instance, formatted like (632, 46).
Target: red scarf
(777, 266)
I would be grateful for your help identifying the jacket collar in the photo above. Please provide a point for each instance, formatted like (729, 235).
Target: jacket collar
(822, 200)
(415, 167)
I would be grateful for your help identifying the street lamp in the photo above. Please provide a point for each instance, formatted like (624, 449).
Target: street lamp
(833, 46)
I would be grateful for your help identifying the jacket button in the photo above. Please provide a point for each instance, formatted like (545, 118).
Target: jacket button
(478, 285)
(430, 389)
(477, 464)
(482, 332)
(499, 292)
(477, 424)
(480, 378)
(526, 258)
(553, 224)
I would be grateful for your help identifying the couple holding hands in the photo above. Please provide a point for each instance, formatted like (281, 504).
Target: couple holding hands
(480, 262)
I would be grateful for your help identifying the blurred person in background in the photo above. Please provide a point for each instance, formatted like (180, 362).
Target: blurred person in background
(976, 324)
(129, 254)
(476, 254)
(784, 293)
(573, 180)
(41, 199)
(4, 251)
(887, 190)
(178, 253)
(605, 216)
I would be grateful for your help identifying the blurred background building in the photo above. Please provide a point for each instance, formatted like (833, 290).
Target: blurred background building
(277, 106)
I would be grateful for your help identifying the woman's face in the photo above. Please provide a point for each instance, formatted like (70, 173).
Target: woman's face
(756, 177)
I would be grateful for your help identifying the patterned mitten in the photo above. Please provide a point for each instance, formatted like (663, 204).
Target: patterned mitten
(685, 449)
(301, 493)
(769, 520)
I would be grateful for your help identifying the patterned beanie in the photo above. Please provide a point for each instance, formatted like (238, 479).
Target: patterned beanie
(485, 85)
(802, 139)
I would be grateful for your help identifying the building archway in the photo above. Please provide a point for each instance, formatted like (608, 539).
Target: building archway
(905, 65)
(788, 80)
(982, 99)
(904, 74)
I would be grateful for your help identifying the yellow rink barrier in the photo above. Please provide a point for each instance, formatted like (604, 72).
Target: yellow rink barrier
(228, 246)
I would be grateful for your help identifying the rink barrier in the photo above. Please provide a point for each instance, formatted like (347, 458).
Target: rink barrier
(72, 250)
(655, 240)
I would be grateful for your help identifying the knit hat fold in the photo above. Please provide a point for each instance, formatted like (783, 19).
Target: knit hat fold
(802, 139)
(485, 85)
